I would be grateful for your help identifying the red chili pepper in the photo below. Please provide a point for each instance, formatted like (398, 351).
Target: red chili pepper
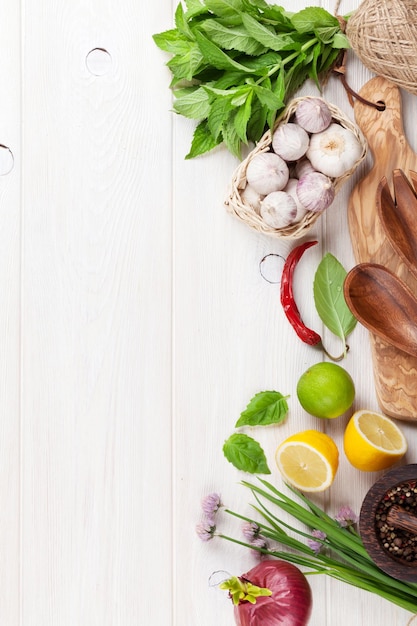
(287, 297)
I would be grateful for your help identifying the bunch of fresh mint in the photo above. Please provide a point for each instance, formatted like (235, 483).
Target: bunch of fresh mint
(235, 63)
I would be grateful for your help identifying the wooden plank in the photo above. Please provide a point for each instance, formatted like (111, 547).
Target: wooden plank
(96, 436)
(10, 287)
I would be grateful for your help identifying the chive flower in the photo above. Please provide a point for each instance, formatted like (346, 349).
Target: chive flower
(346, 517)
(205, 530)
(316, 546)
(211, 504)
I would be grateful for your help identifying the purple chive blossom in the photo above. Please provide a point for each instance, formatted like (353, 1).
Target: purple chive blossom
(259, 542)
(211, 504)
(316, 546)
(346, 517)
(205, 530)
(250, 531)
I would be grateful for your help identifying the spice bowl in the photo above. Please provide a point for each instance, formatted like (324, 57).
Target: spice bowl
(245, 209)
(388, 522)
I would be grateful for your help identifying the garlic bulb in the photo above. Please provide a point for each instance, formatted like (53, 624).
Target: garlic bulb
(290, 141)
(334, 151)
(278, 209)
(267, 172)
(313, 115)
(252, 197)
(315, 192)
(291, 189)
(303, 167)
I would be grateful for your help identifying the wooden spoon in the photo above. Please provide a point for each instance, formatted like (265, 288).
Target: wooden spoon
(399, 218)
(383, 304)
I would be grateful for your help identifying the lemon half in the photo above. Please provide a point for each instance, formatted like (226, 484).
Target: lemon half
(373, 442)
(308, 460)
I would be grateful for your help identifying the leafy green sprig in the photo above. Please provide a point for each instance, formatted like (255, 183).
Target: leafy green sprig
(235, 63)
(343, 556)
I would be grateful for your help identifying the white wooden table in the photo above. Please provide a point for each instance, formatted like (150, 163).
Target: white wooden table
(135, 326)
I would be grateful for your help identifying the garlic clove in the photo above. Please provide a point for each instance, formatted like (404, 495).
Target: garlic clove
(290, 141)
(252, 198)
(278, 209)
(267, 172)
(334, 151)
(313, 114)
(291, 189)
(315, 192)
(303, 167)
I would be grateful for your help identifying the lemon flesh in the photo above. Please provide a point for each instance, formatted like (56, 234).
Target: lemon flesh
(308, 460)
(373, 442)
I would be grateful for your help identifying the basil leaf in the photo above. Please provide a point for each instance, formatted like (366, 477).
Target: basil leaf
(329, 298)
(203, 140)
(245, 454)
(265, 408)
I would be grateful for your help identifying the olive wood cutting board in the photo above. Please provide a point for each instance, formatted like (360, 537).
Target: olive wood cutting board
(395, 372)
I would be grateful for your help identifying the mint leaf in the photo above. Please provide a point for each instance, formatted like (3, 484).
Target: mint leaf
(231, 136)
(215, 56)
(329, 298)
(307, 20)
(235, 38)
(268, 98)
(267, 36)
(219, 112)
(265, 408)
(257, 122)
(181, 22)
(224, 7)
(242, 118)
(192, 103)
(187, 63)
(340, 41)
(245, 454)
(203, 141)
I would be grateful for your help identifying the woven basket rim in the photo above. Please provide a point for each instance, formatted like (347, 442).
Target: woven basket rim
(236, 204)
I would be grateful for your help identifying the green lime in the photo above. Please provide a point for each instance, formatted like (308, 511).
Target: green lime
(326, 390)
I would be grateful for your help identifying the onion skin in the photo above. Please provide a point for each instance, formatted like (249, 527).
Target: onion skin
(290, 603)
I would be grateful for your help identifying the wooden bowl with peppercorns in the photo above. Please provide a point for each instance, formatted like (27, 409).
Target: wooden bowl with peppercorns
(388, 523)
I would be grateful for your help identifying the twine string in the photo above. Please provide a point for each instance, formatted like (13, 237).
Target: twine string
(351, 94)
(411, 619)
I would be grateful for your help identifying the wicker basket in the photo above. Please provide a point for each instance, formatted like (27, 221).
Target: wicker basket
(237, 205)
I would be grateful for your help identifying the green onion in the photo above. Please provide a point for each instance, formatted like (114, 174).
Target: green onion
(345, 558)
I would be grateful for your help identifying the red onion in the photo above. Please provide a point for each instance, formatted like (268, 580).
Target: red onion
(290, 603)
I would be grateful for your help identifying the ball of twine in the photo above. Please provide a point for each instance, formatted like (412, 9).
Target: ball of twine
(383, 34)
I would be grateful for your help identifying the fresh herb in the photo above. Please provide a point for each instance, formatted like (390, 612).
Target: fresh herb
(340, 555)
(235, 63)
(245, 454)
(329, 299)
(265, 408)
